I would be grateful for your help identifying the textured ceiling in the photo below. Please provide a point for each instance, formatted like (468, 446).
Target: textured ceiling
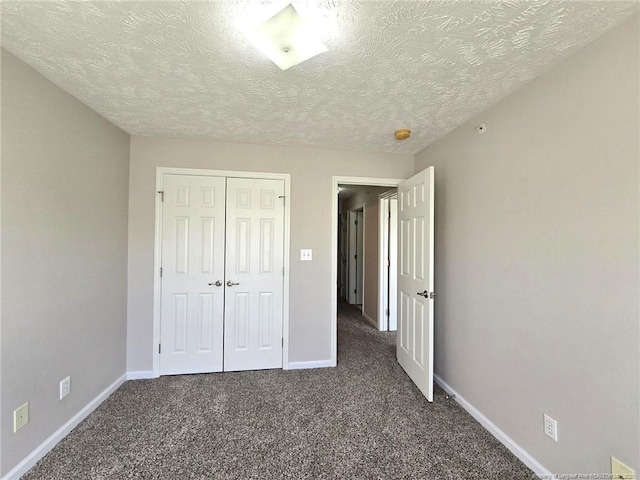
(183, 68)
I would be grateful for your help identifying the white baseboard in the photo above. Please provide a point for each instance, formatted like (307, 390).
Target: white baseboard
(31, 459)
(373, 323)
(140, 375)
(502, 437)
(312, 364)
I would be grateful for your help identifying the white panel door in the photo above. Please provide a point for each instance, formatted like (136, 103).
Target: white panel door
(414, 344)
(254, 274)
(191, 316)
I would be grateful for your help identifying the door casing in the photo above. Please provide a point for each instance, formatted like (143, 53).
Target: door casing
(157, 259)
(387, 251)
(335, 182)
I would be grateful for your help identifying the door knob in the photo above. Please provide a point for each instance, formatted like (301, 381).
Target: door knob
(231, 284)
(217, 284)
(424, 294)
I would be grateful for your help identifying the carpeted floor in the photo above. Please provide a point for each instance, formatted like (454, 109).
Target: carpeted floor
(363, 419)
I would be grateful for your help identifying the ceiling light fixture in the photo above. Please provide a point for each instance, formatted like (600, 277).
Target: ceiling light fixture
(286, 39)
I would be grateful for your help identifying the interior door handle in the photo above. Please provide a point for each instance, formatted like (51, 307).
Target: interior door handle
(231, 284)
(217, 284)
(424, 294)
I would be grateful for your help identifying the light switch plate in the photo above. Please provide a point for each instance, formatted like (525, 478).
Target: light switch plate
(305, 255)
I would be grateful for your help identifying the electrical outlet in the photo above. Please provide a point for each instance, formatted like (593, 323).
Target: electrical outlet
(305, 255)
(620, 471)
(550, 427)
(65, 387)
(20, 417)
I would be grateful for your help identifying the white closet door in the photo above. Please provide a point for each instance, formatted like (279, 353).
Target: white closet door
(254, 274)
(191, 318)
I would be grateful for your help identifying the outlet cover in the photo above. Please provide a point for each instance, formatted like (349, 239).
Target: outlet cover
(550, 427)
(621, 471)
(306, 255)
(65, 387)
(20, 417)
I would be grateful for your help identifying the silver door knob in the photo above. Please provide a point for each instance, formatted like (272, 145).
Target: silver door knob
(217, 284)
(424, 294)
(231, 284)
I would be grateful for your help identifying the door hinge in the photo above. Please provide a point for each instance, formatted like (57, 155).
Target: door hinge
(355, 257)
(160, 272)
(355, 291)
(161, 195)
(356, 222)
(387, 312)
(283, 342)
(389, 214)
(388, 263)
(159, 348)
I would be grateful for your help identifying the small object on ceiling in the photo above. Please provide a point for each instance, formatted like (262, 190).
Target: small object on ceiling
(402, 133)
(286, 39)
(481, 128)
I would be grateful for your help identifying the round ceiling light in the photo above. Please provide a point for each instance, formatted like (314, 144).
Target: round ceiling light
(402, 134)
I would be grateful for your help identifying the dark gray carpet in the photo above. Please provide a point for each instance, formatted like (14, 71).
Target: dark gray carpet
(363, 419)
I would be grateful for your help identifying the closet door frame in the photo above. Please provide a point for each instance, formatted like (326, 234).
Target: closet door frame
(157, 257)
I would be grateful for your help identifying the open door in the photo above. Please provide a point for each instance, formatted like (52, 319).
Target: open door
(414, 345)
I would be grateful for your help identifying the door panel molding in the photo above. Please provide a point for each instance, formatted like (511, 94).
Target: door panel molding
(157, 262)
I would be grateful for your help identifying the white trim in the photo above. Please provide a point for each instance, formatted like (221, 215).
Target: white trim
(502, 437)
(157, 260)
(383, 238)
(373, 323)
(312, 364)
(335, 181)
(141, 375)
(40, 451)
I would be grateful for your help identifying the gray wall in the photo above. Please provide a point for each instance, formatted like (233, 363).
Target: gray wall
(64, 253)
(537, 258)
(311, 170)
